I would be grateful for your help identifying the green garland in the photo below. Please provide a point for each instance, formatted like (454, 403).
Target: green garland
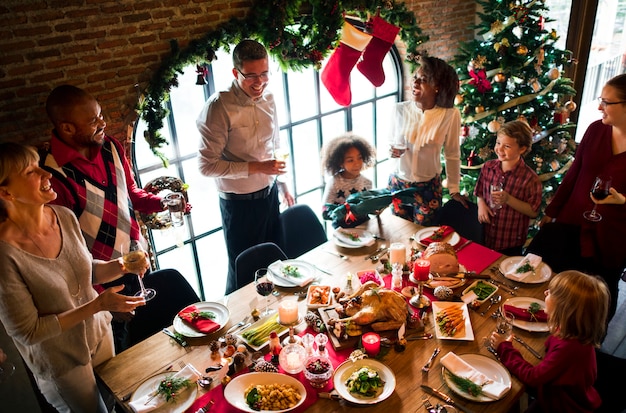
(298, 34)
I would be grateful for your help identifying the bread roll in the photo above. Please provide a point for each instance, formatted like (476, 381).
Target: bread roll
(442, 257)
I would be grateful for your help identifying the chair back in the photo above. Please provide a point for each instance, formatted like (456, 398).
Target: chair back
(251, 259)
(609, 388)
(463, 220)
(300, 230)
(173, 294)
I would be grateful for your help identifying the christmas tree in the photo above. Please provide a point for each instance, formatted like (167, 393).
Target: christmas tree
(513, 70)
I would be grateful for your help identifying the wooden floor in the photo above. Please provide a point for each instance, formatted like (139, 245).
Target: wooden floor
(615, 341)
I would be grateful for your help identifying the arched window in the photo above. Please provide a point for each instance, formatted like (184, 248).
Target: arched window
(308, 117)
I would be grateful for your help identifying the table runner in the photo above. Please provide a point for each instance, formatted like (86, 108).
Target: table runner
(221, 404)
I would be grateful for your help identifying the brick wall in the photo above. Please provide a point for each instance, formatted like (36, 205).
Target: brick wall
(111, 48)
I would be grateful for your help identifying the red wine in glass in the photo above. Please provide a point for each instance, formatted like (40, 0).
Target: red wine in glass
(599, 190)
(264, 286)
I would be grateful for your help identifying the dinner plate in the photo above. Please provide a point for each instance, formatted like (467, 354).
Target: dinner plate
(456, 284)
(235, 392)
(307, 270)
(525, 302)
(222, 315)
(345, 370)
(486, 365)
(451, 239)
(184, 399)
(542, 274)
(342, 239)
(280, 330)
(466, 334)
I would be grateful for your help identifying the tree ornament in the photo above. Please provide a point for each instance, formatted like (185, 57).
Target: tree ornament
(494, 126)
(522, 50)
(336, 74)
(541, 23)
(480, 109)
(517, 31)
(458, 99)
(554, 73)
(471, 159)
(465, 130)
(499, 77)
(570, 106)
(485, 152)
(534, 83)
(202, 72)
(479, 79)
(383, 36)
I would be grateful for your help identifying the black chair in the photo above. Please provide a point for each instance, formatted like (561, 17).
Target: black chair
(251, 259)
(300, 230)
(173, 294)
(463, 220)
(610, 388)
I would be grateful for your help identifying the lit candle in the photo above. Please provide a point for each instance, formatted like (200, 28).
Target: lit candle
(288, 312)
(397, 253)
(421, 270)
(371, 343)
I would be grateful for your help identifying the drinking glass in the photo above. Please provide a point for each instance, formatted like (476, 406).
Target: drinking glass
(495, 187)
(504, 323)
(264, 287)
(599, 190)
(135, 262)
(398, 147)
(175, 202)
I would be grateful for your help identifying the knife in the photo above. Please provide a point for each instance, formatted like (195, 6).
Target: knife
(176, 338)
(445, 398)
(463, 274)
(465, 244)
(329, 395)
(529, 348)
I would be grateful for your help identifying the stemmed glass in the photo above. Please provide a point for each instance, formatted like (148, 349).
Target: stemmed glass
(135, 262)
(264, 287)
(599, 190)
(398, 147)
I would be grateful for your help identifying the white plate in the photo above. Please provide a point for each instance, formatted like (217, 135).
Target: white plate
(459, 283)
(307, 270)
(280, 330)
(365, 238)
(345, 370)
(542, 274)
(222, 315)
(234, 393)
(451, 239)
(525, 302)
(488, 366)
(468, 333)
(185, 399)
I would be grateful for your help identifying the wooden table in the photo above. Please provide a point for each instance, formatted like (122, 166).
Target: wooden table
(123, 373)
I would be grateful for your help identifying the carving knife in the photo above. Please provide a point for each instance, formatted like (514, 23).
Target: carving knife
(445, 398)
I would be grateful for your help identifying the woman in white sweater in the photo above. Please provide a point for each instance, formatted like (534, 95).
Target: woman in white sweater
(58, 322)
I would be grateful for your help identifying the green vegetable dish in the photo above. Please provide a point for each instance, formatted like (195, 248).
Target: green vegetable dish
(483, 290)
(365, 382)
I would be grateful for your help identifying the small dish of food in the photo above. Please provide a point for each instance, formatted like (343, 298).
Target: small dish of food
(318, 296)
(483, 290)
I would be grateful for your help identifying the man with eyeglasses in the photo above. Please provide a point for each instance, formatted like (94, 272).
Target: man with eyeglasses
(239, 137)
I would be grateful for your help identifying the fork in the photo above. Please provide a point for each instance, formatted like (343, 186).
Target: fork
(335, 253)
(426, 367)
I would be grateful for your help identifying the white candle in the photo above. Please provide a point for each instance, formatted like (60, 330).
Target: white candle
(397, 253)
(288, 312)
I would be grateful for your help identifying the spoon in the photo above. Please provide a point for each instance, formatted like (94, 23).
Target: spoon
(381, 251)
(493, 300)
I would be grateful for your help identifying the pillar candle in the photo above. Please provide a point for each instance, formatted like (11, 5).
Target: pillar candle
(371, 343)
(288, 312)
(421, 270)
(397, 253)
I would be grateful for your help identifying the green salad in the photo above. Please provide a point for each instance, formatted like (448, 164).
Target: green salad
(365, 382)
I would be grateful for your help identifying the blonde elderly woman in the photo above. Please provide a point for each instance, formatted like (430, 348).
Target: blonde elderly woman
(58, 322)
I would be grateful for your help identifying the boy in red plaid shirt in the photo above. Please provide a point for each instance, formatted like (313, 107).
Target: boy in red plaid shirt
(507, 213)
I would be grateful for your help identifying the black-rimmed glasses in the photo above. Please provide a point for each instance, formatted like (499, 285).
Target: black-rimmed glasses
(604, 103)
(249, 76)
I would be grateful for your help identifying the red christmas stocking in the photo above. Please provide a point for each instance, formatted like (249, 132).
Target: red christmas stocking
(336, 73)
(371, 66)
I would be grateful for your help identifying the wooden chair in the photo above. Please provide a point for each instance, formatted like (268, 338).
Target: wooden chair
(250, 260)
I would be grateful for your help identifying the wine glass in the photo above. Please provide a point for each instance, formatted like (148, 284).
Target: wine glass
(135, 262)
(599, 190)
(397, 148)
(264, 286)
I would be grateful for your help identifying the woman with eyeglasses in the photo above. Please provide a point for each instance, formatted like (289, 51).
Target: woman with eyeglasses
(424, 126)
(566, 239)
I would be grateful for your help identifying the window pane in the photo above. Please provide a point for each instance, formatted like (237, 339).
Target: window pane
(302, 100)
(391, 79)
(333, 125)
(213, 260)
(306, 155)
(203, 198)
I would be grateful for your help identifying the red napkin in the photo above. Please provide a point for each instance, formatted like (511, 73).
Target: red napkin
(439, 235)
(524, 315)
(192, 316)
(476, 257)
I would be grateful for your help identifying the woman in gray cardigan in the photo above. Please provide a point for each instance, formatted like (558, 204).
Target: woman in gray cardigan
(58, 322)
